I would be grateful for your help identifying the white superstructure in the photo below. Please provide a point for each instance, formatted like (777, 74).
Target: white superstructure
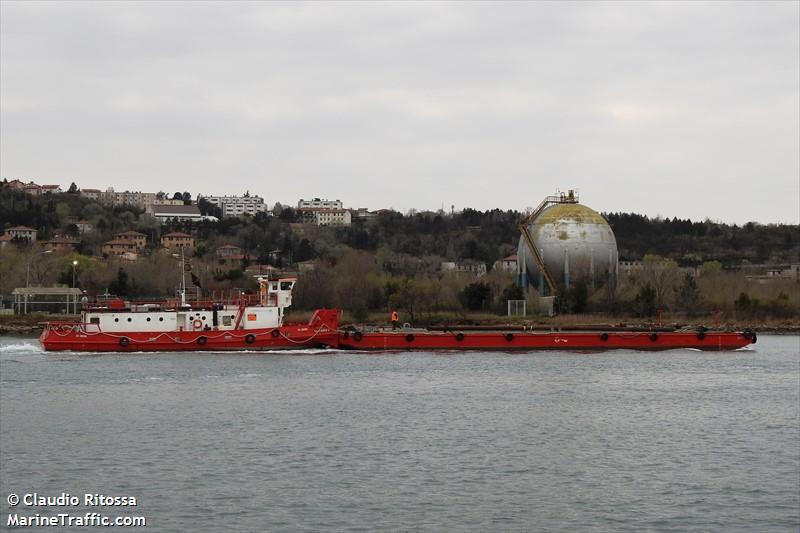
(274, 297)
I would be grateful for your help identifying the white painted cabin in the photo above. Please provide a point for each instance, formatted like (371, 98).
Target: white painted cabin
(274, 297)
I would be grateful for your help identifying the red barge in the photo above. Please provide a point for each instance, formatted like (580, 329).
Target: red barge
(544, 340)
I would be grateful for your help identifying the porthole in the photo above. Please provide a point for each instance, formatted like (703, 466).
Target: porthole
(148, 319)
(161, 319)
(116, 320)
(130, 319)
(204, 317)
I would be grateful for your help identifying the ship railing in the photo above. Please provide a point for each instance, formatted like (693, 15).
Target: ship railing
(147, 306)
(65, 326)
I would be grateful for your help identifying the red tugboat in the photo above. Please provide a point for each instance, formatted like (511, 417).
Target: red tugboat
(117, 326)
(528, 340)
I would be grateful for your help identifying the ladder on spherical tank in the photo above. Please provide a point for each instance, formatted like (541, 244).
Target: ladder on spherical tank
(559, 198)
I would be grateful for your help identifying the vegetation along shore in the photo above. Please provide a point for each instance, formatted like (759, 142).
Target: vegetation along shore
(432, 267)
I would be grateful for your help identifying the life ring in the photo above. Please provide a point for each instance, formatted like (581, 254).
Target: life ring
(202, 340)
(654, 337)
(406, 325)
(410, 337)
(250, 339)
(604, 337)
(358, 335)
(459, 336)
(275, 333)
(197, 323)
(701, 335)
(509, 337)
(124, 342)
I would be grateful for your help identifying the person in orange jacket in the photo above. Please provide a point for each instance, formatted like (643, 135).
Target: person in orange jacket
(395, 320)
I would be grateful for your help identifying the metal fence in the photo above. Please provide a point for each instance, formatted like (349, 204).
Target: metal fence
(53, 300)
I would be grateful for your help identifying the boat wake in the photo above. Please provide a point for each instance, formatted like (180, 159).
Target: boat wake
(22, 348)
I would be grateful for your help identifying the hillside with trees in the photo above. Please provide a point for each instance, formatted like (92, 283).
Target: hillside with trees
(394, 259)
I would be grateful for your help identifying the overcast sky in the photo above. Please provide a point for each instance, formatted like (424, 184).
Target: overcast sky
(674, 109)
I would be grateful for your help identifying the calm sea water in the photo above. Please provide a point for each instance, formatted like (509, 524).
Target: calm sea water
(327, 441)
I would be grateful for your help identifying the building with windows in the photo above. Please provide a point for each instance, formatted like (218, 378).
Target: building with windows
(61, 243)
(177, 239)
(120, 247)
(475, 268)
(134, 237)
(33, 189)
(163, 201)
(16, 185)
(229, 254)
(236, 206)
(92, 194)
(363, 212)
(21, 233)
(84, 226)
(325, 217)
(506, 264)
(179, 213)
(318, 203)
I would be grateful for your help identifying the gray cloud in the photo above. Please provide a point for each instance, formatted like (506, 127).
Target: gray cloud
(678, 109)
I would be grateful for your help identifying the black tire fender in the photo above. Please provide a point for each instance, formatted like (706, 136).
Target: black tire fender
(459, 336)
(275, 333)
(358, 336)
(509, 337)
(250, 339)
(604, 337)
(124, 342)
(654, 337)
(410, 337)
(202, 340)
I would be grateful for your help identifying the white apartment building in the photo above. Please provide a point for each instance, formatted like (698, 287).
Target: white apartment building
(332, 217)
(142, 200)
(234, 206)
(316, 203)
(325, 217)
(92, 194)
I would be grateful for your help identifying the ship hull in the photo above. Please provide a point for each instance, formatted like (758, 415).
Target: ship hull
(76, 338)
(531, 341)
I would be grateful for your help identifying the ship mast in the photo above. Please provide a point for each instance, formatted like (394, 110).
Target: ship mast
(182, 290)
